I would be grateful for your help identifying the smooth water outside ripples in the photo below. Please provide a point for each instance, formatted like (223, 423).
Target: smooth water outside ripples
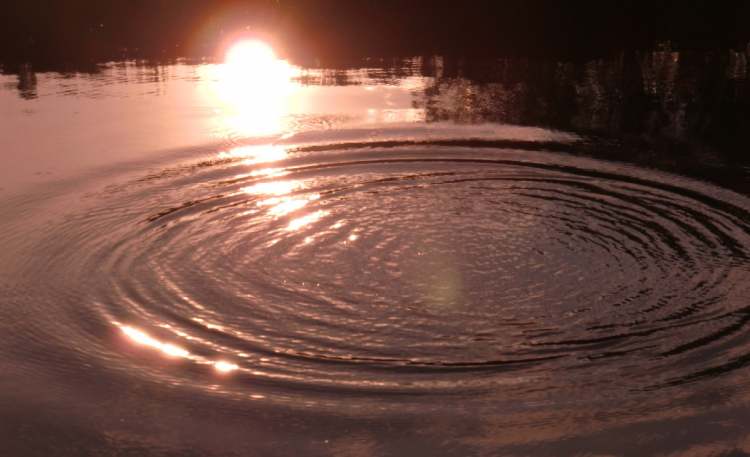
(204, 259)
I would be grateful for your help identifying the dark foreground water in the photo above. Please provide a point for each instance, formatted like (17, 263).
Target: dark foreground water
(406, 259)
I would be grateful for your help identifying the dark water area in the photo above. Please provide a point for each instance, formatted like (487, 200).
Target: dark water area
(299, 252)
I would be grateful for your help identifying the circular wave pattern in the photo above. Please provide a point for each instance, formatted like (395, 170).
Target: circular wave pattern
(349, 274)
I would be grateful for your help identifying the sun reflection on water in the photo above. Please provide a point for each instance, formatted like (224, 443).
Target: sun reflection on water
(225, 367)
(272, 188)
(269, 172)
(306, 220)
(251, 155)
(278, 201)
(145, 339)
(254, 90)
(280, 206)
(172, 350)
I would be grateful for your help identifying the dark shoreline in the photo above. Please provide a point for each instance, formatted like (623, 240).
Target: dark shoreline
(79, 32)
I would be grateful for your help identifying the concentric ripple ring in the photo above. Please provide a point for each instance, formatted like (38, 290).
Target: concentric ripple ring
(402, 270)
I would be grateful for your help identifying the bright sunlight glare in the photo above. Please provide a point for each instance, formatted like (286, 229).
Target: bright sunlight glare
(250, 54)
(252, 90)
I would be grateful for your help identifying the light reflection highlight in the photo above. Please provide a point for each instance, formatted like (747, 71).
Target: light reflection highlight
(145, 339)
(303, 221)
(253, 89)
(172, 350)
(248, 54)
(256, 154)
(279, 203)
(269, 172)
(284, 206)
(272, 188)
(225, 367)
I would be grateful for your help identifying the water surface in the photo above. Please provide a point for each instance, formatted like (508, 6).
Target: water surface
(413, 257)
